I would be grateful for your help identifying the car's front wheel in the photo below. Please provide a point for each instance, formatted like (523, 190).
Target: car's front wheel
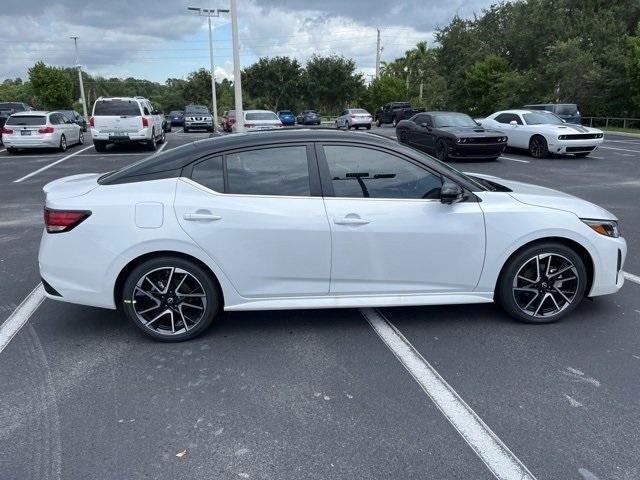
(542, 283)
(170, 299)
(442, 151)
(538, 147)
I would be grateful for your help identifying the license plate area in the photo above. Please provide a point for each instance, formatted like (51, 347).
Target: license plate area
(25, 132)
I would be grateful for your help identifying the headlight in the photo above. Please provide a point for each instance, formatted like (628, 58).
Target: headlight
(604, 227)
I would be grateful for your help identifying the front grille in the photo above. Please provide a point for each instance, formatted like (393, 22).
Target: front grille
(483, 140)
(581, 136)
(580, 149)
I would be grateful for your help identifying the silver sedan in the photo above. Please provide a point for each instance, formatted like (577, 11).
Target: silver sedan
(354, 117)
(40, 130)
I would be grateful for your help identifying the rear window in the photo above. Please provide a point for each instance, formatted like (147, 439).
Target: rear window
(358, 111)
(286, 112)
(116, 107)
(28, 120)
(261, 116)
(567, 109)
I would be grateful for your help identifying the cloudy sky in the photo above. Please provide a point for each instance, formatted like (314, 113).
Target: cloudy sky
(157, 39)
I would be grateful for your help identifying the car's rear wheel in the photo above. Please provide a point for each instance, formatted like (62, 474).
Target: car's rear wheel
(12, 150)
(369, 127)
(538, 147)
(63, 144)
(152, 144)
(378, 122)
(170, 299)
(100, 146)
(163, 137)
(394, 122)
(81, 138)
(542, 283)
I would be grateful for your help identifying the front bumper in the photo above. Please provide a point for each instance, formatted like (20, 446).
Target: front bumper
(476, 151)
(608, 263)
(565, 147)
(198, 124)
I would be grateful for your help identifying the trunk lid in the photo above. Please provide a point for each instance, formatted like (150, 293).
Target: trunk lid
(72, 186)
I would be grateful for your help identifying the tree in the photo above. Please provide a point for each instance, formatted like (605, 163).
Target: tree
(481, 85)
(331, 83)
(384, 89)
(273, 82)
(633, 67)
(52, 86)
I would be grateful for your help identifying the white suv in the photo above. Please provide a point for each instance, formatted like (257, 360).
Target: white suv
(125, 120)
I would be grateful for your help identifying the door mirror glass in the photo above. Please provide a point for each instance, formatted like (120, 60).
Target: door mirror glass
(451, 192)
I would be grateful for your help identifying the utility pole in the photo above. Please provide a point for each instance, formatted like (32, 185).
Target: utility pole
(209, 12)
(378, 54)
(84, 101)
(237, 85)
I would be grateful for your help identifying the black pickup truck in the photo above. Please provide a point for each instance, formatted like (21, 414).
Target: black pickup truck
(393, 112)
(9, 108)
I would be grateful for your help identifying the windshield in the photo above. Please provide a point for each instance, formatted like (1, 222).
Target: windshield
(542, 118)
(360, 111)
(453, 120)
(117, 107)
(27, 120)
(568, 109)
(261, 116)
(197, 109)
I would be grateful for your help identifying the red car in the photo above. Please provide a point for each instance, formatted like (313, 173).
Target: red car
(228, 119)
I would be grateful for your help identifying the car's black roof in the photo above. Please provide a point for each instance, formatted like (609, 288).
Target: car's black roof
(170, 163)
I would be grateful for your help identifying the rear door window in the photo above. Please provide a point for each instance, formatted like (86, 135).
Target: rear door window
(116, 107)
(269, 171)
(209, 173)
(27, 120)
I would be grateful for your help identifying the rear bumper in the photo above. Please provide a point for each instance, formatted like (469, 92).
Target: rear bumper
(125, 137)
(15, 141)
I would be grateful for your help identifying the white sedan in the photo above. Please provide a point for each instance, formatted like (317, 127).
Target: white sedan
(317, 219)
(259, 120)
(34, 129)
(544, 133)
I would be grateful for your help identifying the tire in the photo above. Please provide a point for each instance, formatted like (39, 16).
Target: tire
(100, 146)
(163, 137)
(198, 290)
(538, 147)
(378, 122)
(403, 137)
(152, 144)
(539, 301)
(442, 151)
(81, 138)
(394, 122)
(12, 151)
(185, 130)
(348, 126)
(63, 144)
(369, 127)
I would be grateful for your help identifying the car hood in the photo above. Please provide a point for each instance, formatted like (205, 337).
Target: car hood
(72, 186)
(566, 129)
(471, 131)
(549, 198)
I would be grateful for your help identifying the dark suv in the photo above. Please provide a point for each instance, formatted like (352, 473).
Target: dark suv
(9, 108)
(393, 112)
(567, 111)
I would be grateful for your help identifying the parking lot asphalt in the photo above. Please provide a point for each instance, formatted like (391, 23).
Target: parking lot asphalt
(317, 394)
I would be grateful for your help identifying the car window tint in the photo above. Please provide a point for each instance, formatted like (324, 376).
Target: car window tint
(116, 107)
(27, 120)
(269, 171)
(209, 173)
(364, 172)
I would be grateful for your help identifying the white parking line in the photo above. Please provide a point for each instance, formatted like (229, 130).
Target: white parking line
(632, 142)
(631, 277)
(51, 165)
(485, 443)
(162, 147)
(621, 149)
(3, 150)
(21, 315)
(514, 159)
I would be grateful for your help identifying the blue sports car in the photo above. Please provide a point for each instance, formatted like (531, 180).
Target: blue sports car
(286, 117)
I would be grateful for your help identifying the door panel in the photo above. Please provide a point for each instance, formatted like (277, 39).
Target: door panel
(266, 245)
(405, 246)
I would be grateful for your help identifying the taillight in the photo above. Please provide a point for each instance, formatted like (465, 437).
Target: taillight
(46, 130)
(232, 120)
(92, 121)
(145, 122)
(7, 131)
(58, 221)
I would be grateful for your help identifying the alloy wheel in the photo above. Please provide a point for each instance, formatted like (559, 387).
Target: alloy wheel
(545, 285)
(537, 147)
(169, 301)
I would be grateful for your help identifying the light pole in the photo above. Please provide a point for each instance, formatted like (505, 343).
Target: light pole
(237, 84)
(84, 101)
(211, 12)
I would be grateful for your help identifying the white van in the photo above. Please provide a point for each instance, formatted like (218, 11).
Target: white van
(125, 120)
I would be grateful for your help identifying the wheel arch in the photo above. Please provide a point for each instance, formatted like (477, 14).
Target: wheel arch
(128, 268)
(582, 252)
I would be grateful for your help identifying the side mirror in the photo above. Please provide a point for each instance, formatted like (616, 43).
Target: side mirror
(513, 123)
(451, 192)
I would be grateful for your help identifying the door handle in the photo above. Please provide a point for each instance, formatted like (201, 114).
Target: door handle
(201, 217)
(350, 221)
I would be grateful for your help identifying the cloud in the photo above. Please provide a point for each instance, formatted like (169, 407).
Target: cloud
(157, 39)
